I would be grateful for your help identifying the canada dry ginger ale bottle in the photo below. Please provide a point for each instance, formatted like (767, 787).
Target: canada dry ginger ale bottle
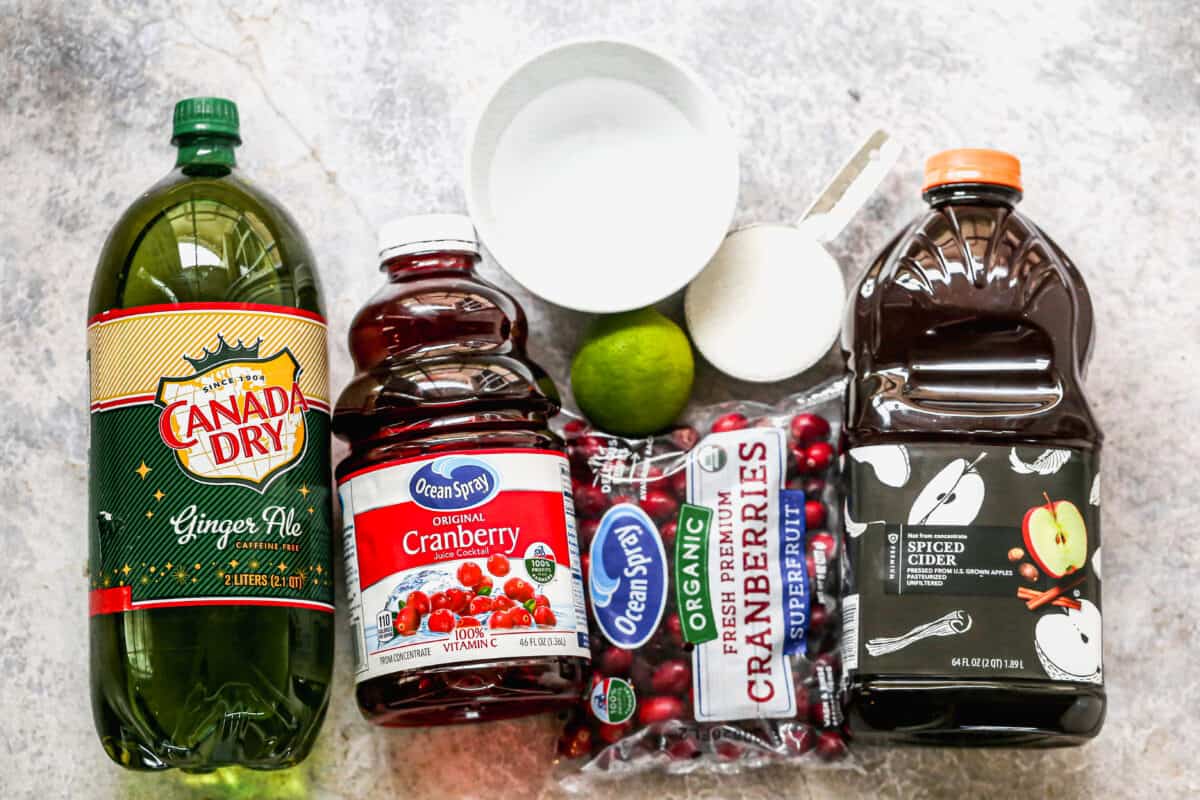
(211, 595)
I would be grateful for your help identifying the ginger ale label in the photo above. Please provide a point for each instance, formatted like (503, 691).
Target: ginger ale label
(209, 458)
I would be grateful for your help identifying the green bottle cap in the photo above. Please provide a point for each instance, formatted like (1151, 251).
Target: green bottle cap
(211, 115)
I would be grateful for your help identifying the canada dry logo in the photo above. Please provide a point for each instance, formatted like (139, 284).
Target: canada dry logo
(238, 419)
(454, 483)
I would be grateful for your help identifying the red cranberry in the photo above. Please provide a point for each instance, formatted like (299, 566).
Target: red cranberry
(520, 617)
(469, 574)
(823, 541)
(439, 600)
(814, 514)
(674, 627)
(500, 619)
(659, 708)
(679, 484)
(728, 751)
(544, 616)
(803, 702)
(830, 745)
(729, 422)
(540, 601)
(817, 618)
(683, 749)
(590, 501)
(818, 457)
(575, 742)
(407, 621)
(457, 601)
(685, 437)
(518, 589)
(799, 739)
(502, 602)
(651, 475)
(672, 677)
(467, 622)
(821, 713)
(667, 532)
(498, 565)
(419, 601)
(616, 661)
(587, 531)
(829, 660)
(660, 505)
(588, 447)
(809, 428)
(641, 674)
(610, 733)
(441, 620)
(481, 605)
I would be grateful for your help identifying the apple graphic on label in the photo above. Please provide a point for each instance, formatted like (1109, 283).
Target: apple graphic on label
(1056, 537)
(890, 462)
(952, 497)
(1068, 645)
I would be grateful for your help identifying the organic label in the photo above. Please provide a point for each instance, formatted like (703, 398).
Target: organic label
(461, 557)
(691, 575)
(209, 458)
(978, 561)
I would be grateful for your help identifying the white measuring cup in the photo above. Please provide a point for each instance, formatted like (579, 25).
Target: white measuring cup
(769, 304)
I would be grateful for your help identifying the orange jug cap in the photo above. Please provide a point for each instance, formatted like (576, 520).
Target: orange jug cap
(972, 165)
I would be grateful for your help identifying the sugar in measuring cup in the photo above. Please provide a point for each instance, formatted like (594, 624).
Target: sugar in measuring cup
(769, 304)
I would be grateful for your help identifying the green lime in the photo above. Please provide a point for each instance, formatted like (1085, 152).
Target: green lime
(633, 373)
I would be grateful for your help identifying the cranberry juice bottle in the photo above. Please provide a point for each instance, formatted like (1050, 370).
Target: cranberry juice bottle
(972, 516)
(462, 564)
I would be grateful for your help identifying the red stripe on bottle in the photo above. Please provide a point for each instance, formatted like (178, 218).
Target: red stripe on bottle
(165, 308)
(110, 601)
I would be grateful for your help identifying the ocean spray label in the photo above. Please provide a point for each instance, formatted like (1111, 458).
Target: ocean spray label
(209, 458)
(459, 557)
(744, 673)
(627, 576)
(975, 561)
(453, 484)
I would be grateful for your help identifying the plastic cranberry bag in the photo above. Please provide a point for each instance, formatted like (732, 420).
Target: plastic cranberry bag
(712, 571)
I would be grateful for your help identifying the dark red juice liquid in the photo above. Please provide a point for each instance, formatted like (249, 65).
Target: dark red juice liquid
(441, 366)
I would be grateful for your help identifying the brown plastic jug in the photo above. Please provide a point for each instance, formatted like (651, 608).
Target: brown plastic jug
(972, 477)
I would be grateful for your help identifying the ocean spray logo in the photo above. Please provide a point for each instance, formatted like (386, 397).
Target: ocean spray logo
(628, 576)
(454, 483)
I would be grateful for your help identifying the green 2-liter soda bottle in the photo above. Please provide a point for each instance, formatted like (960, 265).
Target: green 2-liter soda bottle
(211, 593)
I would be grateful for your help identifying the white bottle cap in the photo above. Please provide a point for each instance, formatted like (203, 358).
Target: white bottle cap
(427, 233)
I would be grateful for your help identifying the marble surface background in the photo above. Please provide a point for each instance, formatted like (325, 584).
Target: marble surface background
(353, 113)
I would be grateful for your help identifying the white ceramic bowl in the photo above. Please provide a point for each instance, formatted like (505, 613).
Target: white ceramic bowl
(602, 176)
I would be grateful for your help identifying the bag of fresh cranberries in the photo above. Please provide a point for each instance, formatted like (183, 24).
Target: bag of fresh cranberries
(711, 564)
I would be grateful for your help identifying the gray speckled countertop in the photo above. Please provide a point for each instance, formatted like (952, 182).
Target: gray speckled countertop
(352, 115)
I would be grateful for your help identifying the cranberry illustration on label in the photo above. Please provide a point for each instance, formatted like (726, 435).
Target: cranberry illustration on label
(469, 574)
(441, 620)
